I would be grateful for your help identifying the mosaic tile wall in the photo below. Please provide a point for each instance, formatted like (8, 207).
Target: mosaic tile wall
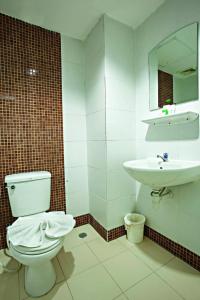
(31, 130)
(165, 87)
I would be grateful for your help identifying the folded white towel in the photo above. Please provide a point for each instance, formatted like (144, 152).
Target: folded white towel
(31, 231)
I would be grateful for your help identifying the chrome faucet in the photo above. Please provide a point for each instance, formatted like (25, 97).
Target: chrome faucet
(164, 157)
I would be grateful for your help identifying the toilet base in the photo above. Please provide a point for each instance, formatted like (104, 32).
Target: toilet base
(39, 279)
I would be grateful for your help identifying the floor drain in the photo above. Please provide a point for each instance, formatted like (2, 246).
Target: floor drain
(82, 235)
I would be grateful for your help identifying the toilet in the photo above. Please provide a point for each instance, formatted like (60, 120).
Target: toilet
(29, 197)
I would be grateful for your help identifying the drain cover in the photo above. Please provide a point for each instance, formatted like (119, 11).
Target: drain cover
(82, 235)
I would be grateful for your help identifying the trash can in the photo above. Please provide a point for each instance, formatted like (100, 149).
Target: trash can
(134, 225)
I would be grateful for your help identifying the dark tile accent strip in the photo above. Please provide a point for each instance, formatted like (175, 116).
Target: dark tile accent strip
(116, 233)
(181, 252)
(82, 220)
(99, 228)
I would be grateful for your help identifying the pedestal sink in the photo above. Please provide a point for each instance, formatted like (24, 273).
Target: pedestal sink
(158, 174)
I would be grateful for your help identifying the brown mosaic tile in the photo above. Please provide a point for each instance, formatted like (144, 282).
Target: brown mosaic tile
(116, 233)
(99, 228)
(165, 87)
(31, 127)
(176, 249)
(82, 220)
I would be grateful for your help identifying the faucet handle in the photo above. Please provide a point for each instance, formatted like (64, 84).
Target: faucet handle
(165, 155)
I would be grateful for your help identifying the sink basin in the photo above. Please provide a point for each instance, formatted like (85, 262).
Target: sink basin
(159, 174)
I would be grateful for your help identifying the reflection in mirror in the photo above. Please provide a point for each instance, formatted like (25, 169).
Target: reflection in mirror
(173, 68)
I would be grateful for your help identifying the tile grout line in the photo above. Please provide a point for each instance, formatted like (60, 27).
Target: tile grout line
(171, 287)
(102, 261)
(153, 270)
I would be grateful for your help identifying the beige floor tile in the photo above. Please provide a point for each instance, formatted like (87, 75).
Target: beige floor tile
(72, 240)
(104, 250)
(59, 278)
(9, 288)
(127, 269)
(93, 284)
(151, 253)
(183, 278)
(8, 262)
(59, 273)
(152, 288)
(77, 260)
(59, 292)
(91, 233)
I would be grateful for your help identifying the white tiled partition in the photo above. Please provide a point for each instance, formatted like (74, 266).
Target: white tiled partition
(96, 114)
(110, 120)
(120, 119)
(74, 116)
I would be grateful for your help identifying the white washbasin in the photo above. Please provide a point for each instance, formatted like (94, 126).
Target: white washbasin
(158, 174)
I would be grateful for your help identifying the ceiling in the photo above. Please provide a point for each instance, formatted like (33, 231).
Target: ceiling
(76, 18)
(178, 53)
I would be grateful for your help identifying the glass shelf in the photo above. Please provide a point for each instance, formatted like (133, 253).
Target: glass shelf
(178, 118)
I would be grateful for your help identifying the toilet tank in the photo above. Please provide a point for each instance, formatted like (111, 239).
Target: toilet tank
(29, 193)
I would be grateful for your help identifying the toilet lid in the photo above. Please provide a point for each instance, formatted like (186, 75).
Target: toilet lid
(47, 245)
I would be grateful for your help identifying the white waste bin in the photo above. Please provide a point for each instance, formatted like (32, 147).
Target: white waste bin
(134, 225)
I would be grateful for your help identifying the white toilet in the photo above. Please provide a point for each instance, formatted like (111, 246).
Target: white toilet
(29, 196)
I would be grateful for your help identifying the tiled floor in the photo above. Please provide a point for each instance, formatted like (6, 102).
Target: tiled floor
(92, 269)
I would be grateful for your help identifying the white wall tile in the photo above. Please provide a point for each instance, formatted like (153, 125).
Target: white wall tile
(119, 152)
(72, 50)
(96, 126)
(95, 95)
(160, 215)
(95, 40)
(74, 120)
(98, 209)
(97, 154)
(117, 209)
(78, 203)
(120, 125)
(119, 184)
(171, 216)
(74, 127)
(74, 73)
(75, 154)
(95, 68)
(76, 179)
(97, 182)
(74, 98)
(119, 95)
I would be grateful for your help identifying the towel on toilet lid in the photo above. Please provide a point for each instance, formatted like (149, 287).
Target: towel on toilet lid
(30, 231)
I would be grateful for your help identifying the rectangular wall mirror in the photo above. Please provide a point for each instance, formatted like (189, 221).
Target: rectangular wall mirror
(173, 68)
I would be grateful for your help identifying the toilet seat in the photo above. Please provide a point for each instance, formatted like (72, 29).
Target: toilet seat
(46, 246)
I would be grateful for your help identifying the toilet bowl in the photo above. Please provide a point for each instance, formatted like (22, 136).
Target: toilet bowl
(40, 275)
(37, 236)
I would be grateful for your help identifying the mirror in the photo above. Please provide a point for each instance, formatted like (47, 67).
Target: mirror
(173, 68)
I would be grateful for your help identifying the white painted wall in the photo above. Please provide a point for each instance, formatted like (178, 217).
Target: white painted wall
(74, 118)
(177, 218)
